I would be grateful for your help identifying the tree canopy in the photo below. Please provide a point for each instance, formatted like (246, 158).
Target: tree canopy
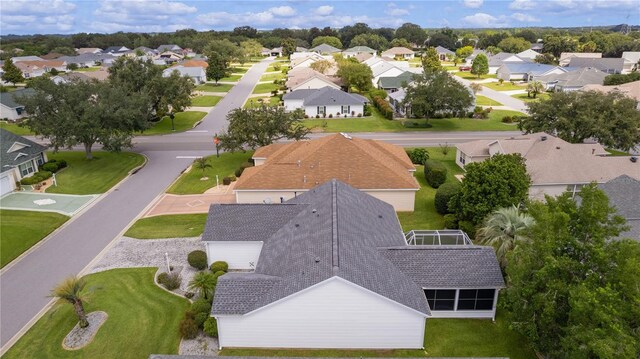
(329, 40)
(612, 119)
(11, 73)
(412, 33)
(400, 42)
(437, 93)
(355, 74)
(514, 44)
(430, 60)
(373, 41)
(464, 52)
(480, 65)
(218, 67)
(288, 47)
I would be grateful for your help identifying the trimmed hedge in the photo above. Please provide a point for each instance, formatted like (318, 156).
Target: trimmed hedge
(219, 266)
(211, 327)
(383, 106)
(443, 196)
(435, 173)
(226, 181)
(36, 178)
(201, 306)
(197, 259)
(418, 156)
(450, 221)
(188, 326)
(200, 318)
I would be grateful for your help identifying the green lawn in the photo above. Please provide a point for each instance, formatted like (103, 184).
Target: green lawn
(425, 216)
(485, 101)
(182, 121)
(272, 77)
(225, 165)
(506, 86)
(205, 101)
(143, 320)
(210, 87)
(613, 152)
(231, 78)
(271, 68)
(83, 176)
(238, 70)
(88, 69)
(20, 230)
(15, 128)
(471, 77)
(265, 88)
(253, 102)
(168, 226)
(377, 123)
(525, 98)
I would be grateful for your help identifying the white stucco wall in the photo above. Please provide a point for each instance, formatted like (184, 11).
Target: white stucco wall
(467, 159)
(312, 111)
(315, 83)
(239, 255)
(10, 113)
(290, 105)
(332, 314)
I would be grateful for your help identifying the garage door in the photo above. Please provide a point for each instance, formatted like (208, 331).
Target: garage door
(5, 185)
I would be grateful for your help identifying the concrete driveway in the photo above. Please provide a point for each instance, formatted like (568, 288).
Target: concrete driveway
(66, 204)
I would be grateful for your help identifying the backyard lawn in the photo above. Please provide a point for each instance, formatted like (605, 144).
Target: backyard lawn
(20, 230)
(254, 102)
(506, 86)
(272, 77)
(15, 128)
(485, 101)
(205, 101)
(231, 78)
(168, 226)
(238, 70)
(83, 176)
(225, 165)
(211, 87)
(265, 88)
(425, 216)
(182, 121)
(471, 77)
(88, 69)
(525, 98)
(143, 320)
(271, 68)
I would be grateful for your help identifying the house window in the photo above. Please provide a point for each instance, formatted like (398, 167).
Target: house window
(462, 158)
(322, 110)
(26, 168)
(346, 109)
(476, 299)
(40, 160)
(441, 299)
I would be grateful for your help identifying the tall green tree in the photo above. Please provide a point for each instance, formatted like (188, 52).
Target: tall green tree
(504, 229)
(288, 46)
(256, 127)
(354, 74)
(464, 52)
(400, 42)
(322, 66)
(251, 47)
(430, 60)
(218, 67)
(556, 45)
(329, 40)
(12, 73)
(573, 290)
(227, 49)
(612, 119)
(85, 112)
(500, 181)
(534, 87)
(514, 44)
(412, 33)
(437, 93)
(71, 290)
(546, 58)
(373, 41)
(480, 65)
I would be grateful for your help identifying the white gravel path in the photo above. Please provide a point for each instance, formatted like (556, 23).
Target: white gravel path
(201, 345)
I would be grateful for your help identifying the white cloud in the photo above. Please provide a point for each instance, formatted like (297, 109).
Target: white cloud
(52, 7)
(474, 4)
(324, 10)
(394, 10)
(55, 16)
(141, 16)
(284, 11)
(483, 20)
(522, 5)
(518, 16)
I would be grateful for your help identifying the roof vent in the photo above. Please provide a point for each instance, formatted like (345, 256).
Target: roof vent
(299, 163)
(314, 210)
(543, 138)
(304, 179)
(346, 135)
(557, 147)
(633, 159)
(317, 259)
(379, 216)
(297, 225)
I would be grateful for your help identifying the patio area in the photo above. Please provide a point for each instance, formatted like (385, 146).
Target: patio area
(66, 204)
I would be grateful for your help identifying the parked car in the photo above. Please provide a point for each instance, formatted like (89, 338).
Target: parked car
(464, 68)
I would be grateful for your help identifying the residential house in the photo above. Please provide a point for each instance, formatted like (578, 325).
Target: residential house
(29, 70)
(325, 49)
(20, 158)
(11, 107)
(630, 89)
(265, 52)
(47, 65)
(444, 53)
(276, 51)
(608, 64)
(331, 268)
(572, 80)
(307, 78)
(25, 58)
(170, 57)
(497, 60)
(301, 49)
(305, 54)
(194, 63)
(51, 56)
(526, 71)
(88, 50)
(469, 60)
(197, 74)
(305, 61)
(116, 50)
(537, 47)
(399, 52)
(566, 57)
(172, 48)
(555, 166)
(384, 69)
(631, 61)
(144, 51)
(88, 59)
(529, 54)
(358, 50)
(624, 195)
(100, 75)
(396, 100)
(324, 102)
(395, 83)
(363, 57)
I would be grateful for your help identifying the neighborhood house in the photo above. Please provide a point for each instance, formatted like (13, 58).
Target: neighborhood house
(20, 158)
(324, 102)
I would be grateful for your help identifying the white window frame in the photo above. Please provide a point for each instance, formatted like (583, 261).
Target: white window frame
(323, 108)
(28, 167)
(345, 112)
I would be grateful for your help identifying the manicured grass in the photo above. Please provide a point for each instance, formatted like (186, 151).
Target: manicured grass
(253, 102)
(451, 68)
(424, 215)
(506, 86)
(613, 152)
(523, 97)
(83, 176)
(485, 101)
(15, 128)
(271, 68)
(231, 78)
(265, 88)
(211, 87)
(168, 226)
(272, 77)
(377, 123)
(20, 230)
(143, 320)
(238, 70)
(225, 165)
(205, 101)
(182, 121)
(88, 69)
(469, 76)
(475, 338)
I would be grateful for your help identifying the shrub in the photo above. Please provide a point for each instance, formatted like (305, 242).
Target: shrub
(197, 259)
(43, 174)
(200, 318)
(61, 164)
(188, 328)
(226, 181)
(419, 155)
(435, 173)
(162, 277)
(219, 273)
(359, 114)
(219, 266)
(246, 165)
(450, 221)
(201, 306)
(383, 106)
(28, 181)
(443, 195)
(189, 295)
(50, 166)
(239, 171)
(171, 281)
(330, 115)
(211, 327)
(306, 116)
(233, 178)
(468, 228)
(367, 110)
(318, 116)
(378, 93)
(507, 119)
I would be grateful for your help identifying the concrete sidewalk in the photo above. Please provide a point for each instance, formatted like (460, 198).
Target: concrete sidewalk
(188, 204)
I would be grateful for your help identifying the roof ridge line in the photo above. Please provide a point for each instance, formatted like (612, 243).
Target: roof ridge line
(335, 257)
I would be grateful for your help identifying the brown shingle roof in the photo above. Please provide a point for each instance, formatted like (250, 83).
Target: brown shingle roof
(363, 164)
(195, 63)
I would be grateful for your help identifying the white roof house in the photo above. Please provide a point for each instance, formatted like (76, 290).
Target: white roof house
(325, 102)
(566, 57)
(197, 74)
(399, 51)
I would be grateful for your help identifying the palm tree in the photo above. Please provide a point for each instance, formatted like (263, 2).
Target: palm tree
(504, 229)
(203, 282)
(202, 163)
(71, 290)
(534, 88)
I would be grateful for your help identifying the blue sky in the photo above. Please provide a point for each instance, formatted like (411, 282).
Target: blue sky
(69, 16)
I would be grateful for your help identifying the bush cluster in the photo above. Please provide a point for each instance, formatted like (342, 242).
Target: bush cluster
(378, 93)
(443, 195)
(219, 266)
(418, 156)
(54, 166)
(226, 181)
(170, 281)
(188, 327)
(383, 106)
(481, 113)
(211, 327)
(450, 221)
(36, 178)
(435, 173)
(197, 259)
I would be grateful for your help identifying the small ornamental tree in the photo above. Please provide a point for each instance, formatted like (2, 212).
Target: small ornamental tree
(218, 66)
(11, 73)
(430, 60)
(71, 290)
(435, 173)
(480, 65)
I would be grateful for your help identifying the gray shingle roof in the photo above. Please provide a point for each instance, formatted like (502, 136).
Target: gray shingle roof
(444, 50)
(324, 48)
(361, 49)
(340, 231)
(577, 78)
(11, 99)
(624, 195)
(602, 64)
(498, 59)
(17, 156)
(325, 96)
(397, 81)
(527, 68)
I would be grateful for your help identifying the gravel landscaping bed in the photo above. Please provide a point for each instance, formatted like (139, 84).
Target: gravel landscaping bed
(201, 345)
(79, 337)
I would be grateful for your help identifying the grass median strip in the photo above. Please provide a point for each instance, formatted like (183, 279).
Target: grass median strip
(205, 101)
(15, 128)
(168, 226)
(485, 101)
(225, 165)
(265, 88)
(183, 121)
(211, 87)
